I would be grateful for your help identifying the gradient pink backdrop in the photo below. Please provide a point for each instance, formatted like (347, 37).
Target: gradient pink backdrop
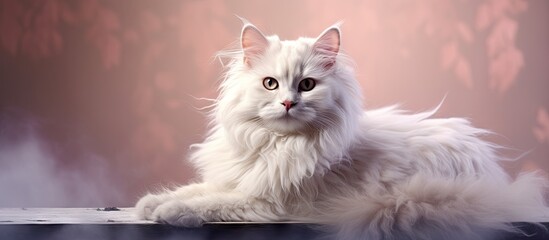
(97, 98)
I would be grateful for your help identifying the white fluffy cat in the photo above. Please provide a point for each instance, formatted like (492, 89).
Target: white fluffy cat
(289, 140)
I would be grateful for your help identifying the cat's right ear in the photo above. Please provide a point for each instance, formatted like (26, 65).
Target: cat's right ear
(254, 43)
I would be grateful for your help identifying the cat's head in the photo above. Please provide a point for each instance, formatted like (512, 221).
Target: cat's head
(289, 86)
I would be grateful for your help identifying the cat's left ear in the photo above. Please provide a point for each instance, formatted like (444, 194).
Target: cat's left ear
(327, 45)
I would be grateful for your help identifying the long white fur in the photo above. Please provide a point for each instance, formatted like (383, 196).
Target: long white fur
(379, 174)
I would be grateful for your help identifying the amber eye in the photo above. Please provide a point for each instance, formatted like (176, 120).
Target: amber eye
(307, 84)
(270, 83)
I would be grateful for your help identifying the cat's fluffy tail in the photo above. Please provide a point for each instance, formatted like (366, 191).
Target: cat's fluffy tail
(430, 208)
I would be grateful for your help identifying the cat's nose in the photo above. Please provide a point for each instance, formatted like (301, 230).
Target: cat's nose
(288, 104)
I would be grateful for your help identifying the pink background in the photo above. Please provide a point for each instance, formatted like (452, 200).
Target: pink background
(98, 98)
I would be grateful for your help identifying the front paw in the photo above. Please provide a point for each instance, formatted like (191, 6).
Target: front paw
(148, 204)
(177, 213)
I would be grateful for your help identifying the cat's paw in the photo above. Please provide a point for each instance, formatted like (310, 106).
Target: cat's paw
(177, 213)
(148, 204)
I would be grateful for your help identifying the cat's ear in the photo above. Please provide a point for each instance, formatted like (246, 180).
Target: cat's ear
(327, 45)
(253, 42)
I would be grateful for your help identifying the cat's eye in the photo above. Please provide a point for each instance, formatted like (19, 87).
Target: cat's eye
(307, 84)
(270, 83)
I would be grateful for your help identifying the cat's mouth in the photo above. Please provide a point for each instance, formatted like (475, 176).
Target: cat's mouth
(287, 121)
(288, 116)
(284, 118)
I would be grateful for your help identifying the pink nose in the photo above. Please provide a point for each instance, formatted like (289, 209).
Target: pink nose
(288, 104)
